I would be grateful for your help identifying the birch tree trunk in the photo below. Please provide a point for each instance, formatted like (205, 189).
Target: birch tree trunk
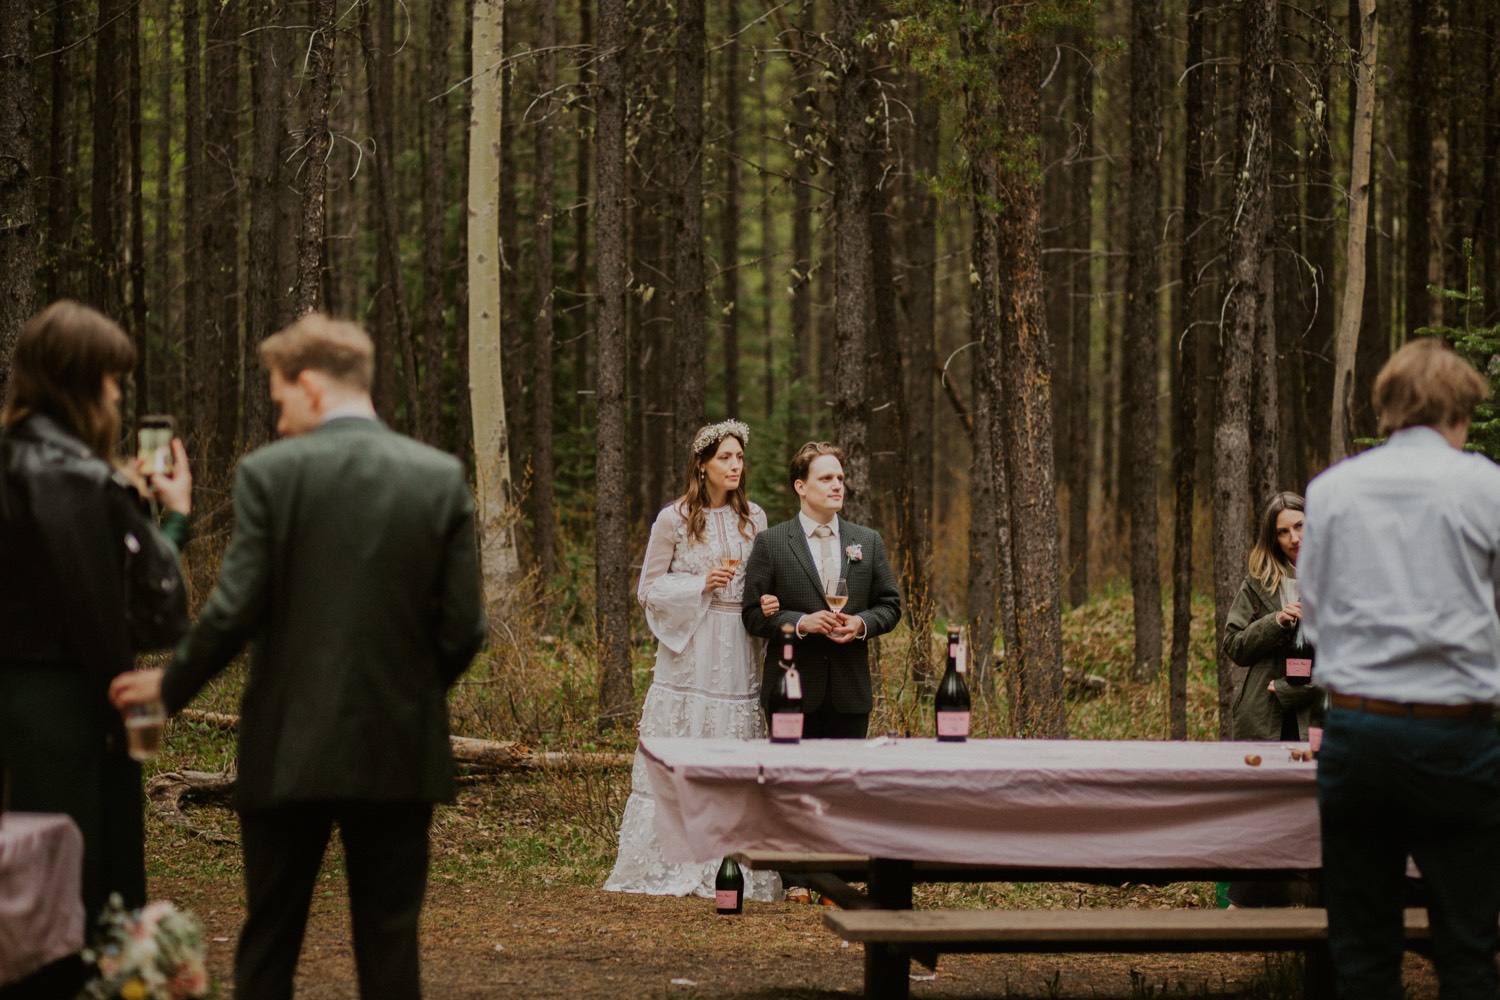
(498, 560)
(1340, 438)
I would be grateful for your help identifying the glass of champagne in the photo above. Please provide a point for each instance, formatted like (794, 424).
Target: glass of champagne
(838, 596)
(143, 727)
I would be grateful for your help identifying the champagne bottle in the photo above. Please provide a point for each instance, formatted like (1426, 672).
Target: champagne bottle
(1315, 718)
(1299, 660)
(951, 703)
(729, 888)
(785, 707)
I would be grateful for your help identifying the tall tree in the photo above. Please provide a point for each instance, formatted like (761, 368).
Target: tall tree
(266, 288)
(729, 232)
(611, 570)
(687, 226)
(1419, 136)
(1036, 664)
(542, 467)
(852, 253)
(17, 207)
(1250, 221)
(56, 263)
(379, 43)
(317, 139)
(1352, 309)
(1080, 336)
(1139, 378)
(434, 215)
(498, 558)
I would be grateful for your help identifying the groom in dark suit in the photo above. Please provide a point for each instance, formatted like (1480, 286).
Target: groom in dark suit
(353, 571)
(798, 561)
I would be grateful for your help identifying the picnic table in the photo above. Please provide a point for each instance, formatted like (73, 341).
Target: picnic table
(893, 812)
(41, 909)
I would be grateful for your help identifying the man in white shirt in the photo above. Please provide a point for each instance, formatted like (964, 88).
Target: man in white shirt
(1400, 570)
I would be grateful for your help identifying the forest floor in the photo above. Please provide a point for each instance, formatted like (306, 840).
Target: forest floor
(533, 935)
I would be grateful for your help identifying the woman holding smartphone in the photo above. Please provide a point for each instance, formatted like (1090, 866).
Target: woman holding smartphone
(71, 527)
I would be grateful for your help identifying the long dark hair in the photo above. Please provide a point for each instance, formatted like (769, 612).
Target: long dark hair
(695, 499)
(62, 356)
(1268, 564)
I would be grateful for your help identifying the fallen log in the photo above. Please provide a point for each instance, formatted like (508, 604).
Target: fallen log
(500, 756)
(170, 789)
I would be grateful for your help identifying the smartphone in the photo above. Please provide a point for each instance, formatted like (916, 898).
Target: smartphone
(154, 443)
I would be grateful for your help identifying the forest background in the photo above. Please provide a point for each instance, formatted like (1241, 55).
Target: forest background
(1075, 283)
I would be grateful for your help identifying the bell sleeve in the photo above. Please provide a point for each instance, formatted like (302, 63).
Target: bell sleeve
(675, 603)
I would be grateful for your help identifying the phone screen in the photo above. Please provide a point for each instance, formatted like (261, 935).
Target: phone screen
(154, 445)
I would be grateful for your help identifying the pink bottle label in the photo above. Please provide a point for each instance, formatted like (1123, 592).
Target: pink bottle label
(1298, 667)
(1314, 738)
(953, 649)
(726, 899)
(786, 725)
(953, 723)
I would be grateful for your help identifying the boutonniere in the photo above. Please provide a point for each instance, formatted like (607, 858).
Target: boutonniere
(854, 552)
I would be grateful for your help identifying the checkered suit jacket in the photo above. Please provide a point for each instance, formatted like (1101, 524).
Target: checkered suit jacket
(781, 564)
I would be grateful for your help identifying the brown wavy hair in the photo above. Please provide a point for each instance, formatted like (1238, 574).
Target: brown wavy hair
(1268, 564)
(62, 356)
(695, 499)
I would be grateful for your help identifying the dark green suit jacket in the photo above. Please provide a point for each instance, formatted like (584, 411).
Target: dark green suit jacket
(353, 571)
(781, 564)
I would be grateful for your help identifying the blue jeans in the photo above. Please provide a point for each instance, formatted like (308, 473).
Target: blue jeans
(1389, 787)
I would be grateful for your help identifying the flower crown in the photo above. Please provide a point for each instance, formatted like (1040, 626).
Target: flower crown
(714, 433)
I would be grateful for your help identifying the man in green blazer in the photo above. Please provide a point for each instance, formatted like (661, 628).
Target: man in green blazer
(353, 572)
(797, 560)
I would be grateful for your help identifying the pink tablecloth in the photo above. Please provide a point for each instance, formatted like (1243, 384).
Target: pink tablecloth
(41, 910)
(1041, 803)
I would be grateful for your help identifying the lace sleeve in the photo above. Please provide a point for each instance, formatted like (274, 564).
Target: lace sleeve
(674, 602)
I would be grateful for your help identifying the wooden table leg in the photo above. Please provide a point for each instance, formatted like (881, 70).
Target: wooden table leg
(888, 970)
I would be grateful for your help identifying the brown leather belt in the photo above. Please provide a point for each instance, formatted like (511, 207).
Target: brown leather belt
(1474, 711)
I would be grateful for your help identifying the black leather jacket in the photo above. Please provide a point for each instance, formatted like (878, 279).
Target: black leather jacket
(67, 523)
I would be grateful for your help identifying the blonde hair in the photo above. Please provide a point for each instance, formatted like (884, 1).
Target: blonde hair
(337, 348)
(1268, 564)
(1426, 384)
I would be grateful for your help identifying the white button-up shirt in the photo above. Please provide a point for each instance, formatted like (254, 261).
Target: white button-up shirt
(1400, 572)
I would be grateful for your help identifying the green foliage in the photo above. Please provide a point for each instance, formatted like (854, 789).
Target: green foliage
(1481, 346)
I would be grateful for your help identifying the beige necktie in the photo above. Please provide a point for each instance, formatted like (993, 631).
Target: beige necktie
(824, 534)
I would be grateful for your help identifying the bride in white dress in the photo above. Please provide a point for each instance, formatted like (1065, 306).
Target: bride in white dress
(707, 676)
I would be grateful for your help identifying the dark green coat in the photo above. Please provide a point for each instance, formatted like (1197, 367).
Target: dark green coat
(1254, 640)
(353, 571)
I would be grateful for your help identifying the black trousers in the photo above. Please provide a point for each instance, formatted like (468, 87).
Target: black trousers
(827, 724)
(385, 857)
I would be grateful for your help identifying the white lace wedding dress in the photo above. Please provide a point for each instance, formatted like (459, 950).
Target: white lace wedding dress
(706, 683)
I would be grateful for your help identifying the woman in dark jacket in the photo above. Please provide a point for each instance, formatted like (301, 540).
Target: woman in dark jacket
(73, 534)
(1263, 635)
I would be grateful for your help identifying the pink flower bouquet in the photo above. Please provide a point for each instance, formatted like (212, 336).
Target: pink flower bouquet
(154, 953)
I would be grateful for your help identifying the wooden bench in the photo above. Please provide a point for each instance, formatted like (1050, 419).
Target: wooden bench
(892, 937)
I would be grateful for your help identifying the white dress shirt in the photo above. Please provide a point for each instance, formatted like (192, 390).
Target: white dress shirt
(1400, 572)
(813, 547)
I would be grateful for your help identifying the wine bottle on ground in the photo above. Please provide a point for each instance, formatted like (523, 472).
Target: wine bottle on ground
(729, 888)
(785, 704)
(951, 703)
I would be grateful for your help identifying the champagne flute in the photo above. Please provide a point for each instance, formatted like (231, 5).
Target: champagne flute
(837, 596)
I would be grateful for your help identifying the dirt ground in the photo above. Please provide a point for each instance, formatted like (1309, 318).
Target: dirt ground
(523, 941)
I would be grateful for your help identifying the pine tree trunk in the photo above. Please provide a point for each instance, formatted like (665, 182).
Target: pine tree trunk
(218, 348)
(57, 261)
(1251, 218)
(581, 220)
(109, 154)
(1352, 311)
(379, 47)
(919, 350)
(194, 318)
(137, 263)
(542, 511)
(434, 225)
(1437, 92)
(1080, 284)
(729, 252)
(687, 227)
(164, 388)
(802, 347)
(611, 561)
(851, 209)
(314, 171)
(1139, 376)
(1419, 134)
(1318, 364)
(17, 207)
(1036, 664)
(264, 295)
